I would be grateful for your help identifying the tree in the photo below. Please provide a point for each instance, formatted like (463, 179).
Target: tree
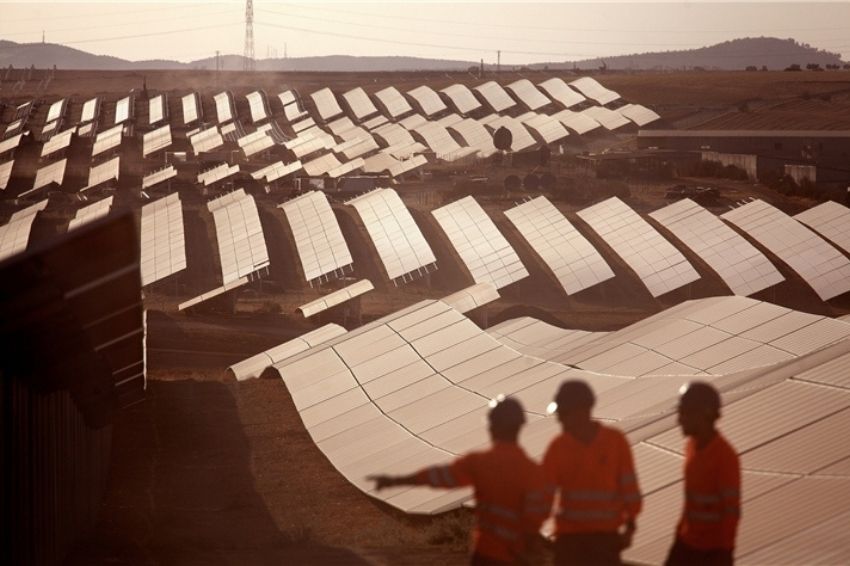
(794, 67)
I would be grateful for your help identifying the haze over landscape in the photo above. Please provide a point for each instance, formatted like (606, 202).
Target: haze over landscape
(523, 33)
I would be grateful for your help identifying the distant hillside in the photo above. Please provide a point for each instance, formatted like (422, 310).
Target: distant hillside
(774, 53)
(737, 54)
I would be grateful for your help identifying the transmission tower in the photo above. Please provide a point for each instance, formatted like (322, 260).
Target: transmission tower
(248, 61)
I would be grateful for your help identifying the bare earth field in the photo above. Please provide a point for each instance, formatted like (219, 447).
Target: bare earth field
(209, 471)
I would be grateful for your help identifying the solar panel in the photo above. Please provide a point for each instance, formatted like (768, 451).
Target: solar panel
(223, 107)
(818, 263)
(830, 219)
(206, 140)
(15, 234)
(89, 110)
(497, 99)
(373, 123)
(528, 94)
(609, 119)
(53, 173)
(483, 249)
(441, 142)
(743, 268)
(640, 115)
(660, 266)
(190, 108)
(6, 173)
(122, 110)
(218, 291)
(241, 243)
(102, 173)
(591, 88)
(156, 140)
(318, 237)
(156, 109)
(559, 91)
(572, 259)
(163, 247)
(462, 98)
(360, 103)
(107, 140)
(393, 102)
(90, 213)
(55, 111)
(217, 173)
(336, 298)
(548, 129)
(400, 244)
(10, 143)
(521, 137)
(291, 106)
(472, 297)
(277, 171)
(58, 142)
(160, 176)
(428, 100)
(576, 121)
(386, 163)
(254, 366)
(13, 128)
(255, 142)
(326, 104)
(257, 104)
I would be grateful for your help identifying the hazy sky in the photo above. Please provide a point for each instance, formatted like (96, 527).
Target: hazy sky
(525, 32)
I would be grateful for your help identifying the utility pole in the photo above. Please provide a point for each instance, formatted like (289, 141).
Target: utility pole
(499, 61)
(42, 37)
(248, 61)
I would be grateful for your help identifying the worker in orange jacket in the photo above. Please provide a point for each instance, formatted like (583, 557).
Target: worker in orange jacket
(706, 532)
(592, 466)
(511, 497)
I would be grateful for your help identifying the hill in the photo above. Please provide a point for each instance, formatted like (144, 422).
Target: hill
(737, 54)
(771, 52)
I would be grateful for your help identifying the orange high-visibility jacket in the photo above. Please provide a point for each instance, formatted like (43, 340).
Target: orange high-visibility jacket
(597, 482)
(511, 497)
(712, 495)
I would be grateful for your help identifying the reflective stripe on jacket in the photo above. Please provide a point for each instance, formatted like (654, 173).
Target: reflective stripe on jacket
(597, 482)
(712, 495)
(511, 495)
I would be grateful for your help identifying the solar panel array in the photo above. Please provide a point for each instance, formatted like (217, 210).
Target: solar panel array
(10, 143)
(241, 243)
(591, 88)
(104, 172)
(163, 245)
(6, 173)
(361, 105)
(660, 266)
(89, 109)
(190, 108)
(820, 265)
(560, 91)
(400, 244)
(572, 259)
(122, 110)
(156, 109)
(217, 173)
(156, 140)
(58, 141)
(610, 119)
(223, 107)
(640, 115)
(257, 106)
(831, 220)
(395, 104)
(483, 249)
(549, 130)
(462, 98)
(90, 213)
(15, 234)
(475, 135)
(326, 104)
(497, 98)
(159, 176)
(107, 140)
(428, 100)
(254, 366)
(528, 94)
(714, 336)
(472, 297)
(336, 298)
(521, 137)
(206, 140)
(55, 111)
(576, 121)
(53, 173)
(743, 268)
(318, 237)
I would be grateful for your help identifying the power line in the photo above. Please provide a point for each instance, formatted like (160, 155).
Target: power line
(549, 28)
(480, 50)
(150, 34)
(99, 14)
(476, 36)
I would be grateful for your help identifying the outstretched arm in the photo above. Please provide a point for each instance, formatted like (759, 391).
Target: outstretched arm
(384, 481)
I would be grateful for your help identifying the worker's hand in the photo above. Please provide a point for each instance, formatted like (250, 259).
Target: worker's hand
(382, 481)
(627, 534)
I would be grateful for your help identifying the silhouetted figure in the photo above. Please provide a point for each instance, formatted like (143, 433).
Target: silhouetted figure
(592, 466)
(705, 535)
(511, 497)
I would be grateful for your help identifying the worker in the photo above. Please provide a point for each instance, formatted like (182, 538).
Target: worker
(706, 532)
(511, 497)
(593, 469)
